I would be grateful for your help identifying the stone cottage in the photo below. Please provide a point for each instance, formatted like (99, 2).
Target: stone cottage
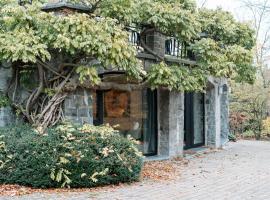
(163, 122)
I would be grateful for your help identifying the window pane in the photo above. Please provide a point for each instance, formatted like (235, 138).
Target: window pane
(132, 113)
(198, 107)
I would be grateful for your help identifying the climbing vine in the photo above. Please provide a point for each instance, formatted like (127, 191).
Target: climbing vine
(4, 101)
(62, 52)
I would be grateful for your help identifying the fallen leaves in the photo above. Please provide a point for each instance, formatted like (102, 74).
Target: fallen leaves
(14, 190)
(17, 190)
(163, 170)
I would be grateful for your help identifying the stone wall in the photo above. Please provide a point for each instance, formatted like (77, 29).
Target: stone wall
(5, 75)
(210, 118)
(156, 41)
(217, 113)
(176, 113)
(171, 123)
(6, 114)
(164, 123)
(78, 107)
(224, 106)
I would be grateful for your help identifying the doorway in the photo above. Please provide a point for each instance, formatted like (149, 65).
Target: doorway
(194, 127)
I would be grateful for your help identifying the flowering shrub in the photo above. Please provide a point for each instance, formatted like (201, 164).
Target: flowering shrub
(266, 128)
(238, 122)
(67, 156)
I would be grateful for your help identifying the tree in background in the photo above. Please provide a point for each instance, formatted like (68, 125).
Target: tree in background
(249, 109)
(259, 11)
(250, 104)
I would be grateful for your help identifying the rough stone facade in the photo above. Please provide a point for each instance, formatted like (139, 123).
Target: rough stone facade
(224, 114)
(6, 114)
(170, 109)
(210, 117)
(78, 107)
(217, 113)
(156, 41)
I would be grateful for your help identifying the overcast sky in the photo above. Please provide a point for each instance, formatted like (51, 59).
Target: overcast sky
(225, 4)
(229, 5)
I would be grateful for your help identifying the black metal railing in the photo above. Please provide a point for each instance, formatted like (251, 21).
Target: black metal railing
(174, 47)
(134, 38)
(23, 2)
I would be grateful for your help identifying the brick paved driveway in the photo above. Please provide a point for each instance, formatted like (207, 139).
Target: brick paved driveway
(241, 171)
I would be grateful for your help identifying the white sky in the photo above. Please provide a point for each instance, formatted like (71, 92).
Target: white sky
(225, 4)
(229, 5)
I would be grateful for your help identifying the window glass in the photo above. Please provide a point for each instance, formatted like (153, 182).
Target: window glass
(194, 120)
(132, 113)
(198, 108)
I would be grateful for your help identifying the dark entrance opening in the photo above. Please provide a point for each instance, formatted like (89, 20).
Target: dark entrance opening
(194, 120)
(133, 113)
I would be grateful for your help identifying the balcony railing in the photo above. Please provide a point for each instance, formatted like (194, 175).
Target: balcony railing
(174, 47)
(134, 38)
(23, 2)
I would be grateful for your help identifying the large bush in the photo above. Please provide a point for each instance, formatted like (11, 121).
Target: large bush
(67, 156)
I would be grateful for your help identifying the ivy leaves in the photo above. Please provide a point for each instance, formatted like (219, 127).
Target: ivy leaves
(180, 78)
(30, 36)
(88, 73)
(225, 61)
(221, 26)
(173, 18)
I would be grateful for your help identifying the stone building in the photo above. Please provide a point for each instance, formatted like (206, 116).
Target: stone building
(164, 122)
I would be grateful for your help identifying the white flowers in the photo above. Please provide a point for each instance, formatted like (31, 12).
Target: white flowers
(102, 173)
(106, 151)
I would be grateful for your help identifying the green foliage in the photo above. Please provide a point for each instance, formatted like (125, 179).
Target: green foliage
(26, 78)
(232, 137)
(230, 61)
(251, 103)
(249, 134)
(4, 101)
(178, 78)
(67, 156)
(88, 73)
(226, 50)
(35, 33)
(211, 58)
(221, 26)
(171, 17)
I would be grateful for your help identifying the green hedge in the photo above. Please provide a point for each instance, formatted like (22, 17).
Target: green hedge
(67, 156)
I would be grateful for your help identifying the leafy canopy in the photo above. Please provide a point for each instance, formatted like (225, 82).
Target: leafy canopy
(99, 38)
